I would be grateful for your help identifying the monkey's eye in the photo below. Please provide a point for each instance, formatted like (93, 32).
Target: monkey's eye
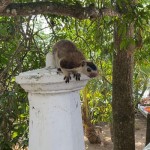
(89, 70)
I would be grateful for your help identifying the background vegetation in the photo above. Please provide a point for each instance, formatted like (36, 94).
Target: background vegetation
(24, 42)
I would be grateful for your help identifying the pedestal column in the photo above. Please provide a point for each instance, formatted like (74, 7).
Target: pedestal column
(55, 112)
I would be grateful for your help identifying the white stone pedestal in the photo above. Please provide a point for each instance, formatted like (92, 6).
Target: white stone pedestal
(55, 111)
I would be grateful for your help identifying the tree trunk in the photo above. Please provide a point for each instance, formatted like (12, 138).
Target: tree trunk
(122, 98)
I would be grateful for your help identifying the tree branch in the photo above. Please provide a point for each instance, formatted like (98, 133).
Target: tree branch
(4, 4)
(56, 8)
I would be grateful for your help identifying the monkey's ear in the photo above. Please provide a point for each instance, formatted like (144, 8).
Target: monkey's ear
(83, 63)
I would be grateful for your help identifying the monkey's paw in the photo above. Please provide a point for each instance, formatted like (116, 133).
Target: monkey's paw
(77, 76)
(67, 78)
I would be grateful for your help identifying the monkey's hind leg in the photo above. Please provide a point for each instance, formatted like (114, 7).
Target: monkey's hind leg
(59, 71)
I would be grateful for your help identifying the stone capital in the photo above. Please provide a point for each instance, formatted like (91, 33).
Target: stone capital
(46, 80)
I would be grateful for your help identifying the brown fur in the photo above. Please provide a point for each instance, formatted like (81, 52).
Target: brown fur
(67, 51)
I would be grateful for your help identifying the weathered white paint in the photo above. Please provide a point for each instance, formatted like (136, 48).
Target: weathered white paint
(49, 60)
(55, 122)
(147, 147)
(55, 111)
(47, 80)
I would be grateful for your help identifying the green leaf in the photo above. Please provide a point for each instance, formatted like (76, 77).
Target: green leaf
(15, 134)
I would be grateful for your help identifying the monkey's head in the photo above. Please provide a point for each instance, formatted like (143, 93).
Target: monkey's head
(89, 69)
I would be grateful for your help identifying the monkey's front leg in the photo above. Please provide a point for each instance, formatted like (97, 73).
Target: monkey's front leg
(77, 76)
(67, 77)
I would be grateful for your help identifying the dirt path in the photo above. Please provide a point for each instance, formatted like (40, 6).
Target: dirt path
(140, 130)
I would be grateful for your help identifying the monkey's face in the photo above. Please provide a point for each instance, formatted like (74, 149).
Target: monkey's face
(89, 69)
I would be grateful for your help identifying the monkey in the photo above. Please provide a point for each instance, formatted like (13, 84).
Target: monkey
(69, 60)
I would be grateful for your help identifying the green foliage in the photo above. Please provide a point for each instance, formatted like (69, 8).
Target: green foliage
(17, 49)
(24, 41)
(142, 54)
(14, 119)
(99, 95)
(141, 80)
